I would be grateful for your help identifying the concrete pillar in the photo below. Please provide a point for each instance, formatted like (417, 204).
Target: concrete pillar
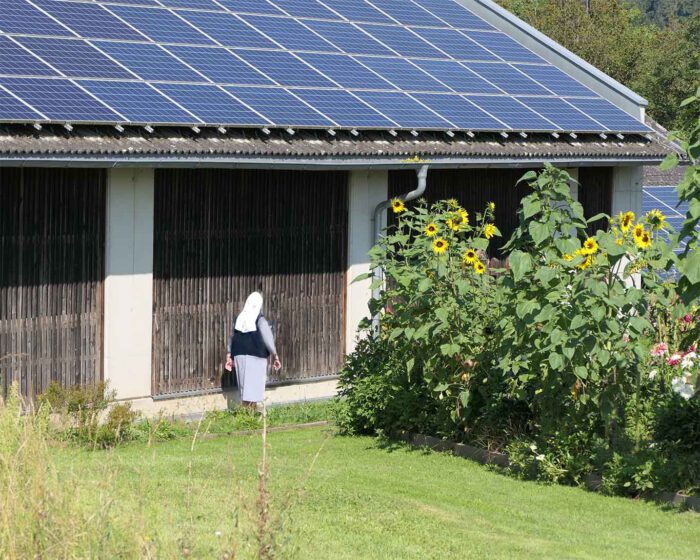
(367, 189)
(627, 189)
(129, 282)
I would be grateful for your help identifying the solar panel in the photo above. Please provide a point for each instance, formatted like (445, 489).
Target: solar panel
(21, 17)
(161, 25)
(228, 30)
(290, 33)
(406, 12)
(270, 54)
(508, 78)
(14, 110)
(212, 105)
(402, 73)
(346, 71)
(344, 108)
(358, 10)
(348, 37)
(402, 41)
(559, 112)
(516, 115)
(456, 76)
(611, 116)
(404, 110)
(74, 57)
(59, 100)
(139, 102)
(149, 61)
(305, 9)
(91, 21)
(285, 68)
(250, 7)
(16, 60)
(455, 44)
(280, 106)
(220, 65)
(453, 14)
(460, 111)
(503, 46)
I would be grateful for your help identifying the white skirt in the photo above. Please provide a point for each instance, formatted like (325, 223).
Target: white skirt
(251, 372)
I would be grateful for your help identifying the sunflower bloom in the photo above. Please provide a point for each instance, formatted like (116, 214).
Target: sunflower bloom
(470, 256)
(619, 241)
(398, 206)
(464, 216)
(568, 257)
(638, 232)
(586, 263)
(431, 230)
(644, 241)
(440, 246)
(454, 224)
(655, 219)
(492, 206)
(452, 203)
(590, 247)
(626, 221)
(489, 231)
(479, 267)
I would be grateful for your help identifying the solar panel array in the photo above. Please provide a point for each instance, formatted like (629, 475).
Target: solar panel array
(364, 64)
(665, 199)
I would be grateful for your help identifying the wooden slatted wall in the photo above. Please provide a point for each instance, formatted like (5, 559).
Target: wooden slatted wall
(52, 227)
(219, 235)
(474, 189)
(595, 192)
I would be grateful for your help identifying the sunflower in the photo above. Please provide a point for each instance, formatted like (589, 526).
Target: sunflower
(458, 219)
(470, 256)
(644, 241)
(464, 215)
(619, 241)
(479, 267)
(590, 247)
(638, 231)
(655, 219)
(452, 203)
(398, 206)
(440, 246)
(586, 263)
(489, 231)
(626, 221)
(454, 223)
(492, 206)
(568, 257)
(431, 230)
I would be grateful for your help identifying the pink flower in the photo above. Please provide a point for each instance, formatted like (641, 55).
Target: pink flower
(675, 359)
(659, 349)
(625, 337)
(688, 318)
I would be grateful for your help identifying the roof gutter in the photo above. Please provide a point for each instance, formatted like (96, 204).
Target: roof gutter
(378, 273)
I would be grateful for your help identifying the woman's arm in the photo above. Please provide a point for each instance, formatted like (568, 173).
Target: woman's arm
(267, 336)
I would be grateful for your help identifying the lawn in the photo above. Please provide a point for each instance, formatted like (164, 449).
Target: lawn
(336, 497)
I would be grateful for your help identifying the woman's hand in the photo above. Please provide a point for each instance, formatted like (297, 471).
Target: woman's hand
(276, 364)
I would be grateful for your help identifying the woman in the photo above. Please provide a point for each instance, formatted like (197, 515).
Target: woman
(250, 345)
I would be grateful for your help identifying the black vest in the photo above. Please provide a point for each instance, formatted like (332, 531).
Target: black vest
(248, 344)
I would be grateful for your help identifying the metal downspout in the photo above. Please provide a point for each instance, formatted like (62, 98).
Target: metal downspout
(378, 273)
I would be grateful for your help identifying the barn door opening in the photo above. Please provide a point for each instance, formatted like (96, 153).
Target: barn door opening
(221, 234)
(52, 225)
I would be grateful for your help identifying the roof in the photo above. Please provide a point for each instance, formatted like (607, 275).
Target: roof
(306, 64)
(105, 145)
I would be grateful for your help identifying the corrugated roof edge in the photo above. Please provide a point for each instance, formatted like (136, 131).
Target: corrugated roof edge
(504, 15)
(101, 145)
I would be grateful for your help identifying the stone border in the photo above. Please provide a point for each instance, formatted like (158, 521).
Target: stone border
(592, 481)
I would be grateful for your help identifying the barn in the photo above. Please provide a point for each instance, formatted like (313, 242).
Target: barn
(160, 159)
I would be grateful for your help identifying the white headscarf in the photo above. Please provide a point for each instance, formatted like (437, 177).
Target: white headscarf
(247, 320)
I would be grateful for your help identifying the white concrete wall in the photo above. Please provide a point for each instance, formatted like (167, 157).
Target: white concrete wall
(129, 282)
(367, 189)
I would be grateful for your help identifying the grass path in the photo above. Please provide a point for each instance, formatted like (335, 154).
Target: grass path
(362, 501)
